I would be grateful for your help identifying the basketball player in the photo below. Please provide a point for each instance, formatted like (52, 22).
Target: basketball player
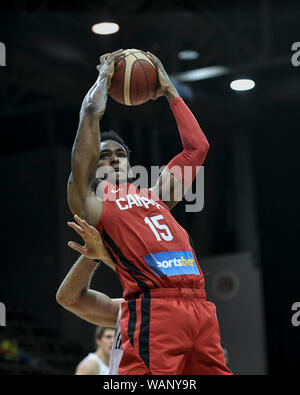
(95, 307)
(75, 295)
(167, 325)
(97, 363)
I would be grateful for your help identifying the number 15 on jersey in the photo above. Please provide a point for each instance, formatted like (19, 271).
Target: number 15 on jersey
(156, 227)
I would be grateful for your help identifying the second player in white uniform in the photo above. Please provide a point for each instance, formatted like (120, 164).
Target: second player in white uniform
(102, 367)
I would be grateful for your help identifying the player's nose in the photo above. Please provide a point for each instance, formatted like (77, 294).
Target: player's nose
(114, 158)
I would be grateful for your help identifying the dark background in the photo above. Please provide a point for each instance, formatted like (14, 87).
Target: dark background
(251, 171)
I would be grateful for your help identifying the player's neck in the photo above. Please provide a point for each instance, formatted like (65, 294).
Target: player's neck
(122, 181)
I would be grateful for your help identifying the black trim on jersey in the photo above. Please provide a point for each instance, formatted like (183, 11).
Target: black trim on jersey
(132, 320)
(119, 342)
(113, 258)
(193, 247)
(145, 328)
(192, 243)
(131, 268)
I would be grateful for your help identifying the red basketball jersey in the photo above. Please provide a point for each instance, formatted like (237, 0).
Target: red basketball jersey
(149, 247)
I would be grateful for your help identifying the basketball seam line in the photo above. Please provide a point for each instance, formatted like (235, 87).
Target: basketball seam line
(146, 78)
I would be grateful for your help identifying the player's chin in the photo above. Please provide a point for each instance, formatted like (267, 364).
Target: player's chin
(123, 177)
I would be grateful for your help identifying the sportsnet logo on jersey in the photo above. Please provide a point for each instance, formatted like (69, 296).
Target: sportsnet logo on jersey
(172, 263)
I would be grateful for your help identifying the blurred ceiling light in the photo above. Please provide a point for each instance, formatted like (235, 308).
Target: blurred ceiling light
(242, 85)
(188, 55)
(201, 74)
(105, 28)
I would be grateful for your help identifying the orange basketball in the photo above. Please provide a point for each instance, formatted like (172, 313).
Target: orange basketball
(135, 78)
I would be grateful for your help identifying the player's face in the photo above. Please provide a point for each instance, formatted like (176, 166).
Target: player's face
(114, 157)
(106, 341)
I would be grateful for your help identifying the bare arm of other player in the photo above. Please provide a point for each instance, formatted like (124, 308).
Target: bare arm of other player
(89, 367)
(74, 293)
(82, 199)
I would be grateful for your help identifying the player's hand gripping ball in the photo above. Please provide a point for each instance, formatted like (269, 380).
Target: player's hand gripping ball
(135, 78)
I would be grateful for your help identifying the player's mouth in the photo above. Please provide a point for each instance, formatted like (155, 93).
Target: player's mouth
(119, 171)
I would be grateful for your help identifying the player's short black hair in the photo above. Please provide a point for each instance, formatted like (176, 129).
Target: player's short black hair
(112, 135)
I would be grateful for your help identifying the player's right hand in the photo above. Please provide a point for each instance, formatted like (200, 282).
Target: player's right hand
(94, 247)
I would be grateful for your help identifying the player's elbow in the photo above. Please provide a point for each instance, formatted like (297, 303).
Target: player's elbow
(60, 299)
(91, 112)
(204, 147)
(200, 147)
(198, 154)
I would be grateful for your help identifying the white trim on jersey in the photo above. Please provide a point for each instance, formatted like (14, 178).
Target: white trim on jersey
(116, 351)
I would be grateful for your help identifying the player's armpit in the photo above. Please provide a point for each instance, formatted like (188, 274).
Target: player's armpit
(93, 206)
(88, 207)
(75, 200)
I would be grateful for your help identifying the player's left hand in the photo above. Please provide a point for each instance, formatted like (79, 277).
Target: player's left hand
(166, 88)
(94, 247)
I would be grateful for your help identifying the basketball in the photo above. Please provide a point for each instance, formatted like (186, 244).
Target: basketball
(135, 78)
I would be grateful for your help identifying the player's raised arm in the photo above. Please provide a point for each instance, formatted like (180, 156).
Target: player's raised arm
(178, 175)
(86, 148)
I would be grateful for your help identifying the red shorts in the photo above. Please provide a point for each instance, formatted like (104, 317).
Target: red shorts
(171, 331)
